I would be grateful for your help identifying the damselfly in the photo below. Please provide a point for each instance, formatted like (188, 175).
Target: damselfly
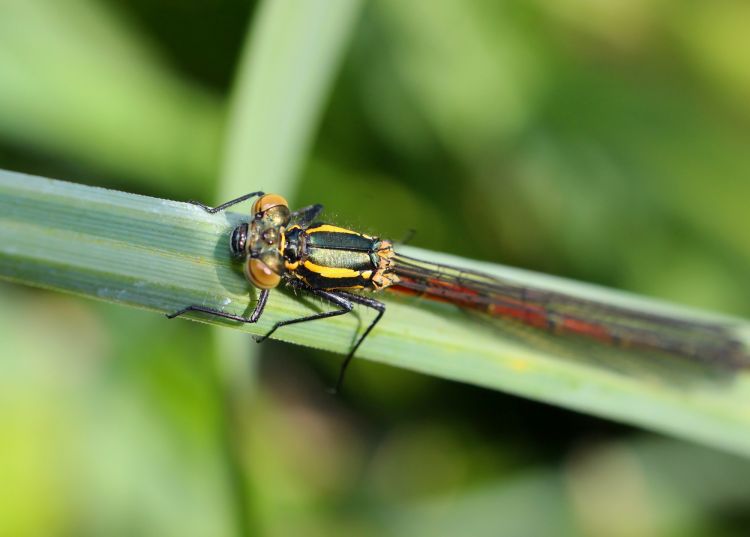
(338, 264)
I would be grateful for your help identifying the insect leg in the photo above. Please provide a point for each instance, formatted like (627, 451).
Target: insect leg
(254, 316)
(335, 298)
(223, 206)
(370, 303)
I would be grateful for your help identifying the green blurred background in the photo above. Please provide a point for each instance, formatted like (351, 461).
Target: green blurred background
(604, 141)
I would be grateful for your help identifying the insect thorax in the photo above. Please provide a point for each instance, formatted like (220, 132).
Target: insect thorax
(329, 257)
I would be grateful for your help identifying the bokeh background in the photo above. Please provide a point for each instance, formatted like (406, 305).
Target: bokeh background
(604, 141)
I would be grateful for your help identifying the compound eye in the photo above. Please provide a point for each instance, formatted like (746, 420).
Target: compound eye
(260, 275)
(238, 240)
(268, 201)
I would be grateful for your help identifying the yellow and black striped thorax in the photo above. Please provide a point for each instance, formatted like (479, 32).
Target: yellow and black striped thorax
(330, 257)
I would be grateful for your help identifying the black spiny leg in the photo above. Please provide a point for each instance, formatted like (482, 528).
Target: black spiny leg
(345, 306)
(378, 306)
(226, 205)
(346, 302)
(254, 316)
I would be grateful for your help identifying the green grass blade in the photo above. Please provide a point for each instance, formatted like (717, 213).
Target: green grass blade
(285, 73)
(162, 255)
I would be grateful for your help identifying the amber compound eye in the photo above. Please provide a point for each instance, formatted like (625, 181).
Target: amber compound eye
(261, 275)
(277, 216)
(267, 201)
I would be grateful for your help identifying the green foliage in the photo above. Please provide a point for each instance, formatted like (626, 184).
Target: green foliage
(602, 141)
(65, 64)
(163, 255)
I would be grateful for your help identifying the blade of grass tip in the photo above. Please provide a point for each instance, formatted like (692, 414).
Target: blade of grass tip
(157, 254)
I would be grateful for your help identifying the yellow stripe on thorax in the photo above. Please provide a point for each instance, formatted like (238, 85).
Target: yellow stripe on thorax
(333, 229)
(331, 272)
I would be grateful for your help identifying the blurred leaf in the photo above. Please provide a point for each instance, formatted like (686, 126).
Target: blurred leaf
(474, 82)
(624, 167)
(715, 41)
(503, 509)
(288, 64)
(76, 82)
(641, 488)
(97, 425)
(623, 25)
(164, 255)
